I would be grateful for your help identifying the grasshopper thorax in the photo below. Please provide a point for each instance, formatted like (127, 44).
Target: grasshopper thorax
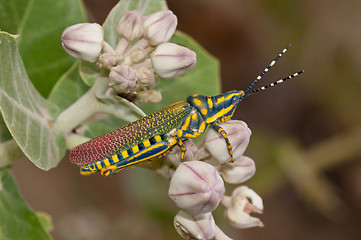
(214, 108)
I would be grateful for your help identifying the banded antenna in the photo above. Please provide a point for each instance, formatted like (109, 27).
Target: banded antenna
(273, 84)
(247, 93)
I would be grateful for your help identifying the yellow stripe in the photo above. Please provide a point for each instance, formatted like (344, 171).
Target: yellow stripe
(202, 127)
(210, 103)
(214, 117)
(135, 149)
(158, 138)
(186, 124)
(228, 109)
(219, 100)
(115, 158)
(204, 111)
(219, 114)
(231, 96)
(197, 101)
(125, 154)
(99, 165)
(144, 159)
(106, 162)
(146, 143)
(194, 116)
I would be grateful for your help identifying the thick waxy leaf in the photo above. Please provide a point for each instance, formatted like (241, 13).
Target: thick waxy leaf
(4, 132)
(40, 24)
(17, 220)
(27, 115)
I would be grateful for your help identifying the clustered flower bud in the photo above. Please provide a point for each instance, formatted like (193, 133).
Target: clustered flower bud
(138, 37)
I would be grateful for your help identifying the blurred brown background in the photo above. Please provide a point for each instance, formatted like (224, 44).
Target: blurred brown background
(306, 134)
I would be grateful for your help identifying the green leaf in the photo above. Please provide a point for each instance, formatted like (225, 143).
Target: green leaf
(9, 150)
(145, 7)
(89, 72)
(45, 221)
(203, 79)
(17, 220)
(26, 113)
(40, 24)
(4, 132)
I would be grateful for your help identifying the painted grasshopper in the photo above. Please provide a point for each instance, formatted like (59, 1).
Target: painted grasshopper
(157, 133)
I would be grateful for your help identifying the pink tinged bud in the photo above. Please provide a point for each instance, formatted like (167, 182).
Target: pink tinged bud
(170, 60)
(239, 171)
(175, 153)
(196, 187)
(238, 134)
(160, 27)
(145, 78)
(201, 226)
(122, 78)
(130, 25)
(244, 201)
(83, 41)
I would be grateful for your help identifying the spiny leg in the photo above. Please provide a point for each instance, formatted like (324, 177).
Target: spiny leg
(182, 148)
(223, 133)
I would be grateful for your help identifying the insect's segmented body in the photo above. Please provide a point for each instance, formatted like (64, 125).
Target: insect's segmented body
(157, 133)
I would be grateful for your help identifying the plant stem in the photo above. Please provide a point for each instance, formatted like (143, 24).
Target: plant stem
(82, 109)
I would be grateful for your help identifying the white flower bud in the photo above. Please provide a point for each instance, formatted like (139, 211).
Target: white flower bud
(145, 78)
(201, 227)
(160, 27)
(239, 171)
(174, 155)
(238, 134)
(170, 60)
(130, 25)
(83, 41)
(243, 202)
(122, 78)
(138, 55)
(196, 187)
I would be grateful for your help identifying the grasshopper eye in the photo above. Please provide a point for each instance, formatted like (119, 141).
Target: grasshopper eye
(235, 100)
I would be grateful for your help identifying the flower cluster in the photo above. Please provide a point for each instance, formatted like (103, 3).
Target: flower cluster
(197, 184)
(141, 54)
